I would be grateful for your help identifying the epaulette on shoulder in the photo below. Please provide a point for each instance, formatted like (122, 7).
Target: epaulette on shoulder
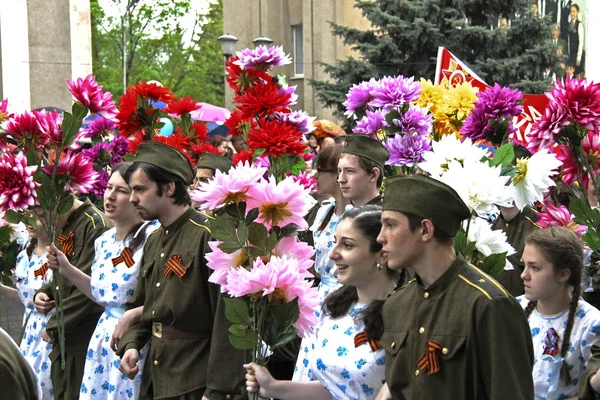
(201, 220)
(95, 216)
(156, 230)
(406, 284)
(479, 280)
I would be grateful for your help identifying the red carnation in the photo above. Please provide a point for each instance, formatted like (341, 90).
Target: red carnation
(242, 156)
(200, 131)
(239, 126)
(182, 106)
(134, 142)
(262, 99)
(276, 138)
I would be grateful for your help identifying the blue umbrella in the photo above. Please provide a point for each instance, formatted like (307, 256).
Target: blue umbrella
(217, 129)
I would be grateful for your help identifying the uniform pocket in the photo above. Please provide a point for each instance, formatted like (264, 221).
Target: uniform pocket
(452, 345)
(146, 269)
(392, 341)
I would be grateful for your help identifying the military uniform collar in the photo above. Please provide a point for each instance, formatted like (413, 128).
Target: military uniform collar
(445, 280)
(376, 200)
(526, 213)
(179, 222)
(80, 210)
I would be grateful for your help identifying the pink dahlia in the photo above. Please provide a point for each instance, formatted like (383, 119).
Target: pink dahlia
(51, 125)
(544, 132)
(230, 187)
(308, 182)
(394, 92)
(17, 187)
(358, 96)
(292, 248)
(581, 99)
(26, 130)
(591, 149)
(4, 114)
(280, 282)
(89, 94)
(75, 171)
(99, 128)
(280, 204)
(222, 263)
(262, 58)
(568, 170)
(559, 216)
(300, 119)
(372, 123)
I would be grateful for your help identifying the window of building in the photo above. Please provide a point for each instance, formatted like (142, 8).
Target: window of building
(298, 51)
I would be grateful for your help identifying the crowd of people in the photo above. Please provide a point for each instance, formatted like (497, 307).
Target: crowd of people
(402, 315)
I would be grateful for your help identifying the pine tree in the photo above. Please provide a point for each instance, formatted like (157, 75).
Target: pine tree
(405, 35)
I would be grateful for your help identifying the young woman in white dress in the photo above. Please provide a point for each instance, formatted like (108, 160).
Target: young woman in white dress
(118, 252)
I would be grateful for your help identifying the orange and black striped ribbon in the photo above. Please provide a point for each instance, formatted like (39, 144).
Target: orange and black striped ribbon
(68, 243)
(430, 362)
(362, 338)
(126, 256)
(41, 271)
(174, 265)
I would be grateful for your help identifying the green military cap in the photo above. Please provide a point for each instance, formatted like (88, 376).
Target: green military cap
(166, 157)
(365, 146)
(427, 198)
(214, 161)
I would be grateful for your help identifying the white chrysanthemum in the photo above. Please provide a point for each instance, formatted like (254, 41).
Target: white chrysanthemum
(488, 241)
(448, 149)
(532, 180)
(480, 186)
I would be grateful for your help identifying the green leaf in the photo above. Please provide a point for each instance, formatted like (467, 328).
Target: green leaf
(494, 263)
(236, 311)
(12, 217)
(582, 211)
(280, 329)
(235, 210)
(223, 229)
(229, 247)
(503, 156)
(238, 330)
(592, 239)
(32, 157)
(65, 204)
(247, 342)
(257, 252)
(257, 234)
(271, 242)
(70, 127)
(242, 232)
(252, 215)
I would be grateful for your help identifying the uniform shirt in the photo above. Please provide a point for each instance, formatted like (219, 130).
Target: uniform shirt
(486, 344)
(174, 366)
(585, 389)
(16, 376)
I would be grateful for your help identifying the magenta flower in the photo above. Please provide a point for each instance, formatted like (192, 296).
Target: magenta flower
(17, 187)
(559, 216)
(280, 204)
(89, 94)
(291, 90)
(4, 114)
(262, 57)
(494, 106)
(300, 119)
(581, 99)
(407, 150)
(544, 131)
(262, 162)
(100, 127)
(75, 171)
(569, 171)
(26, 130)
(394, 92)
(415, 120)
(120, 147)
(308, 182)
(358, 96)
(371, 123)
(99, 186)
(51, 125)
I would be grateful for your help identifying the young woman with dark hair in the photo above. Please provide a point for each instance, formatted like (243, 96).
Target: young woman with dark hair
(345, 360)
(563, 326)
(118, 252)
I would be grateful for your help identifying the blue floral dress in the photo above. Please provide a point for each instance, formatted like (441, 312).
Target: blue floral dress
(324, 266)
(33, 348)
(112, 286)
(345, 370)
(547, 332)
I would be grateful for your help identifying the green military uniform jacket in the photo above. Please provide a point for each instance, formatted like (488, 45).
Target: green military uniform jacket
(81, 314)
(188, 303)
(516, 231)
(485, 348)
(593, 365)
(17, 381)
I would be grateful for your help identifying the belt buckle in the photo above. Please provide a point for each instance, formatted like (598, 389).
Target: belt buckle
(157, 329)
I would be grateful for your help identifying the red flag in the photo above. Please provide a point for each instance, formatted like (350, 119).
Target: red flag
(455, 71)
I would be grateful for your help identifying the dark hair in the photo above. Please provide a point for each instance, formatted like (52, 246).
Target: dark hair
(576, 6)
(216, 140)
(368, 166)
(31, 246)
(162, 178)
(563, 249)
(367, 220)
(414, 222)
(328, 161)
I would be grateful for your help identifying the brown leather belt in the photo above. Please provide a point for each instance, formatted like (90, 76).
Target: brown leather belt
(169, 332)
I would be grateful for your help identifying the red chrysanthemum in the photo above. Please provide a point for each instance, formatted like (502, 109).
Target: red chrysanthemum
(134, 142)
(239, 126)
(240, 80)
(276, 138)
(154, 92)
(128, 118)
(131, 118)
(198, 149)
(262, 99)
(242, 157)
(178, 141)
(200, 132)
(182, 106)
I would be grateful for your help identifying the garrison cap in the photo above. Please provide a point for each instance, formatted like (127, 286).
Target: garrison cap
(166, 157)
(214, 161)
(365, 146)
(427, 198)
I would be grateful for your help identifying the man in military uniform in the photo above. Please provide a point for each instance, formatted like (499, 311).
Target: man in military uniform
(452, 330)
(589, 381)
(16, 376)
(78, 229)
(360, 169)
(179, 302)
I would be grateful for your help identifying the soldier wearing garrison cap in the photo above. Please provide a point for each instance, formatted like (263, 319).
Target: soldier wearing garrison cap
(452, 331)
(360, 169)
(179, 304)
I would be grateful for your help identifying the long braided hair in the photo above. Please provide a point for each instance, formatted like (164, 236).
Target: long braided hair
(563, 249)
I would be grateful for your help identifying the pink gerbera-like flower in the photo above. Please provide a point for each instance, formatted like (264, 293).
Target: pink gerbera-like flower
(222, 263)
(591, 149)
(262, 58)
(291, 247)
(4, 114)
(230, 187)
(25, 129)
(308, 182)
(568, 170)
(51, 125)
(17, 187)
(90, 95)
(559, 216)
(75, 171)
(280, 282)
(280, 204)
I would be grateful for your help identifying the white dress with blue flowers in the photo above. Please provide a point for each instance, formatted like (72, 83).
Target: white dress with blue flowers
(546, 367)
(33, 348)
(346, 371)
(112, 286)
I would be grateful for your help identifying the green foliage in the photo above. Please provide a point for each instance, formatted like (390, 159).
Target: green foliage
(157, 47)
(494, 263)
(405, 35)
(503, 156)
